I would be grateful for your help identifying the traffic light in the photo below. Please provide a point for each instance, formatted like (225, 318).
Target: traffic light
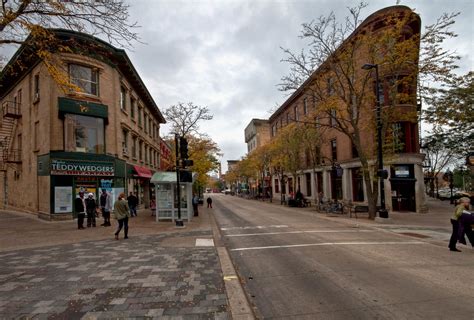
(185, 176)
(183, 148)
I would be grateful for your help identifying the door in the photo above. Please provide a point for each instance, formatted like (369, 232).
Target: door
(403, 195)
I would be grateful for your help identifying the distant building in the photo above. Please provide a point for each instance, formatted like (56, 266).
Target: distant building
(231, 164)
(102, 135)
(257, 133)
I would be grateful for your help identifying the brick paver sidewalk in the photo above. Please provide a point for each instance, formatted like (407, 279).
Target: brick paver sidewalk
(51, 270)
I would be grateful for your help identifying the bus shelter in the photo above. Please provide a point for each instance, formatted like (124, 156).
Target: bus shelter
(166, 196)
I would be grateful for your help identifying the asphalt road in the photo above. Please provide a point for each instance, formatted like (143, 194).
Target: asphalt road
(297, 265)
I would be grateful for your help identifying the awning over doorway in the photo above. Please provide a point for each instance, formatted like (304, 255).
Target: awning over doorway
(142, 172)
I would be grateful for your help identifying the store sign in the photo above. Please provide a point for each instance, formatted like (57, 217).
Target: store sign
(81, 168)
(402, 171)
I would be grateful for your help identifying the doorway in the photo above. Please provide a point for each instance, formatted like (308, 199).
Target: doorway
(403, 195)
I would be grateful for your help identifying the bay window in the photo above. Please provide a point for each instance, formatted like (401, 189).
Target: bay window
(84, 134)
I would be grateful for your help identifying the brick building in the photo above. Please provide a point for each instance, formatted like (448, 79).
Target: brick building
(57, 142)
(257, 133)
(338, 174)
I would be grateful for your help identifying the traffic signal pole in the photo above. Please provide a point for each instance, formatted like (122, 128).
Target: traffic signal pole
(179, 221)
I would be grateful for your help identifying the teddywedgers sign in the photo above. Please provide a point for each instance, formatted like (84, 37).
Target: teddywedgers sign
(83, 168)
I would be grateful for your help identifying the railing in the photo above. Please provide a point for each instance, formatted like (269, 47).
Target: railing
(12, 110)
(12, 156)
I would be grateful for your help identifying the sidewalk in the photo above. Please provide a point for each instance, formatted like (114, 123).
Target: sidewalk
(53, 270)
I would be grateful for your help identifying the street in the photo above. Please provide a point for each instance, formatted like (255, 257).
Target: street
(296, 264)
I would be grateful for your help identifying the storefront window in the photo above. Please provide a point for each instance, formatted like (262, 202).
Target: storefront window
(84, 134)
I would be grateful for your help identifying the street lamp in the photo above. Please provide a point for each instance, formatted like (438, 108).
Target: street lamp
(449, 176)
(383, 213)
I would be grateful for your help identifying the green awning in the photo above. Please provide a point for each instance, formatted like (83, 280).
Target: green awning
(85, 108)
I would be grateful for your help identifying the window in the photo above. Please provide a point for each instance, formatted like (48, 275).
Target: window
(134, 147)
(123, 99)
(330, 86)
(305, 106)
(37, 135)
(404, 137)
(277, 186)
(357, 184)
(273, 131)
(84, 134)
(86, 78)
(36, 88)
(150, 126)
(333, 115)
(295, 110)
(334, 150)
(19, 94)
(133, 105)
(124, 141)
(146, 153)
(288, 118)
(140, 111)
(140, 150)
(290, 185)
(145, 123)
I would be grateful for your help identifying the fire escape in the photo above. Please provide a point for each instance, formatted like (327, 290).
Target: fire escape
(8, 155)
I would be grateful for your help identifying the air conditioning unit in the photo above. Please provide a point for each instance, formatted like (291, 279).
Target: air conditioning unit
(124, 150)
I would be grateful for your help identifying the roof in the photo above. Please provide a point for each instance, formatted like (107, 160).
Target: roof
(100, 50)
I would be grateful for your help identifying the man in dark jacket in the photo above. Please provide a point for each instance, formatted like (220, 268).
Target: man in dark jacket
(91, 208)
(80, 208)
(132, 204)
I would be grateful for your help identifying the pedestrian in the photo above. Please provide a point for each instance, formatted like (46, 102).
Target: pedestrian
(458, 211)
(121, 213)
(91, 209)
(80, 208)
(195, 205)
(153, 207)
(106, 206)
(132, 204)
(209, 202)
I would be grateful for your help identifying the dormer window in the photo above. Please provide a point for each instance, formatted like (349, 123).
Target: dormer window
(86, 78)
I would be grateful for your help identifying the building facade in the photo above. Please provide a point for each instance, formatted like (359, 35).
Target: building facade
(338, 173)
(102, 134)
(257, 133)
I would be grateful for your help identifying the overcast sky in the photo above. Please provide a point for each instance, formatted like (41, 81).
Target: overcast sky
(226, 54)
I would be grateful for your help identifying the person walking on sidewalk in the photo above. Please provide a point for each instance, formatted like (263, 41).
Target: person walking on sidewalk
(121, 213)
(80, 208)
(458, 211)
(91, 209)
(209, 202)
(106, 206)
(195, 205)
(132, 204)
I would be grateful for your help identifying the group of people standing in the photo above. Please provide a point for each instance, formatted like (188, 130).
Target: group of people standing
(123, 208)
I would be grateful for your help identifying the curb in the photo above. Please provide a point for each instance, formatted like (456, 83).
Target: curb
(239, 305)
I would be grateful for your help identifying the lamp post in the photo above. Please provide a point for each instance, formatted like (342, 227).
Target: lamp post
(179, 221)
(449, 175)
(383, 213)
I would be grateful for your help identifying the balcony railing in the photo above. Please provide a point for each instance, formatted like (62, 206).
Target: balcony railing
(11, 110)
(12, 156)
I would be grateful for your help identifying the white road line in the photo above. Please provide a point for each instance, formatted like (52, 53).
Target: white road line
(329, 244)
(295, 232)
(254, 227)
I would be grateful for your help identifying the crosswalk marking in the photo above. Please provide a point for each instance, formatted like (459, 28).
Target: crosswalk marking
(330, 244)
(254, 227)
(295, 232)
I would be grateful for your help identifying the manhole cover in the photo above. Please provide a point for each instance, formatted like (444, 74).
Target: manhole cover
(416, 235)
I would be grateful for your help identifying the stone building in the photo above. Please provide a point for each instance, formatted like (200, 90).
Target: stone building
(338, 174)
(104, 134)
(257, 133)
